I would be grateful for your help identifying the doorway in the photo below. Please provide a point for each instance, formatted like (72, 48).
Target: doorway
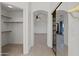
(59, 27)
(40, 21)
(40, 28)
(11, 30)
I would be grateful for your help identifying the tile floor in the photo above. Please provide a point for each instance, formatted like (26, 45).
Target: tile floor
(40, 47)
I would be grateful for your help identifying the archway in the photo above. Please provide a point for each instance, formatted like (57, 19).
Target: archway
(40, 27)
(40, 33)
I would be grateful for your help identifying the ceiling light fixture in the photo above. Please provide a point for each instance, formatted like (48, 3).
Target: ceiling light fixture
(10, 6)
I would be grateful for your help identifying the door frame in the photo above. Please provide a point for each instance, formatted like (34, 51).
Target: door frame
(54, 15)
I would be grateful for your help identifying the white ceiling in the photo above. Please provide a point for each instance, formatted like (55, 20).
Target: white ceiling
(5, 6)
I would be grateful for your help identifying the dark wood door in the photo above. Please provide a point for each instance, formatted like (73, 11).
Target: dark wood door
(54, 31)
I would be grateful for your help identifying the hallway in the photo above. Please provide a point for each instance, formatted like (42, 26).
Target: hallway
(40, 46)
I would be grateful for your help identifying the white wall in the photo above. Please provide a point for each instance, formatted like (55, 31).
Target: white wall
(73, 35)
(41, 25)
(29, 28)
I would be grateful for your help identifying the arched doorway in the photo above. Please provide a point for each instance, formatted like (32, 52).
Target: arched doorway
(40, 47)
(40, 28)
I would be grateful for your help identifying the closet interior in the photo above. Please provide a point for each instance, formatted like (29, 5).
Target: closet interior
(11, 30)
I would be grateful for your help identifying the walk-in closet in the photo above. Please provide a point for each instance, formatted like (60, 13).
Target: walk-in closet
(11, 30)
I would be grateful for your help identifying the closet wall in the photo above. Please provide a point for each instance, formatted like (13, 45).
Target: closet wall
(12, 27)
(16, 26)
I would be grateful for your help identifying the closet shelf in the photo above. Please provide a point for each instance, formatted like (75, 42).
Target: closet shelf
(6, 31)
(12, 22)
(6, 16)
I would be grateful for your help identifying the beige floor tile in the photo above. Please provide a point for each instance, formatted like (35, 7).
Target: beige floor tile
(40, 46)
